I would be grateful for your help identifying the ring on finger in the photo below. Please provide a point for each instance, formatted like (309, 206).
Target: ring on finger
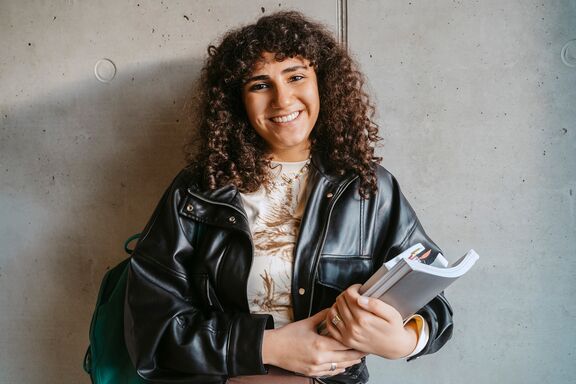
(332, 366)
(336, 319)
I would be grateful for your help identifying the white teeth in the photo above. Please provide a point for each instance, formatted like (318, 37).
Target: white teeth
(285, 119)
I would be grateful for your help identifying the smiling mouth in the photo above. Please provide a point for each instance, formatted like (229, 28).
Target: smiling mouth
(286, 118)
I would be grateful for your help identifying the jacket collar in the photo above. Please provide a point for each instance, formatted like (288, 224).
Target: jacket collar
(223, 207)
(229, 194)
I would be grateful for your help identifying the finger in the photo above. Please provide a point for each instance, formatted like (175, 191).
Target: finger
(351, 293)
(332, 367)
(350, 297)
(334, 331)
(328, 373)
(343, 356)
(354, 289)
(334, 350)
(333, 345)
(336, 318)
(345, 364)
(335, 368)
(349, 363)
(378, 308)
(342, 336)
(343, 303)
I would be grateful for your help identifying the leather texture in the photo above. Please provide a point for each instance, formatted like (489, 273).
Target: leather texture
(186, 312)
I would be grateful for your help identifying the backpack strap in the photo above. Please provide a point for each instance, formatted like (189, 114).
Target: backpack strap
(129, 240)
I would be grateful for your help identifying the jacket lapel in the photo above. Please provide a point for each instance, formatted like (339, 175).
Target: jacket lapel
(322, 189)
(224, 208)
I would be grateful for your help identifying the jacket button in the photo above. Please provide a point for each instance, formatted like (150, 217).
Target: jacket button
(232, 219)
(189, 207)
(329, 195)
(301, 291)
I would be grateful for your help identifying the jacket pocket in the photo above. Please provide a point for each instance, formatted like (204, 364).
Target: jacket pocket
(340, 272)
(202, 292)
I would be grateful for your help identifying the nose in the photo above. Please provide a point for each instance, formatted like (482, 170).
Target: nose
(283, 96)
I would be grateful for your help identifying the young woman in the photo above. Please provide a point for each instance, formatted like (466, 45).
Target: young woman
(282, 212)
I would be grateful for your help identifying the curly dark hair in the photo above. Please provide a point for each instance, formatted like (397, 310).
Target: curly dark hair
(231, 152)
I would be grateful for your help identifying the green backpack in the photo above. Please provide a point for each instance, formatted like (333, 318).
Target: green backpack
(107, 359)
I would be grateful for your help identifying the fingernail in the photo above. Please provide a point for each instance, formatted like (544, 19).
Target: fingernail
(363, 301)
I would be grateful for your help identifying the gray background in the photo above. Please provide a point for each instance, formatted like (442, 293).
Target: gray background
(474, 102)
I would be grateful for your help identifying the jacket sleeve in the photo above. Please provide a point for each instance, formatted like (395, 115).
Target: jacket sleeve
(402, 231)
(170, 334)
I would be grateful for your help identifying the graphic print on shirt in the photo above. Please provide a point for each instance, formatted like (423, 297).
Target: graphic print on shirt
(274, 232)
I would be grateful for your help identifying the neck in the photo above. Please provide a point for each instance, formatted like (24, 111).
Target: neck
(290, 155)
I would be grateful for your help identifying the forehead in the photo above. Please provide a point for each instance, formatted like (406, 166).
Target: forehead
(268, 63)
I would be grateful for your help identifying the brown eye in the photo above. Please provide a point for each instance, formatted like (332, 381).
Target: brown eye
(258, 86)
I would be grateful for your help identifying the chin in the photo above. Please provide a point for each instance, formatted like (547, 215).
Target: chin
(293, 144)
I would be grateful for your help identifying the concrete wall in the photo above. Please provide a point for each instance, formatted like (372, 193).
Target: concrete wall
(475, 105)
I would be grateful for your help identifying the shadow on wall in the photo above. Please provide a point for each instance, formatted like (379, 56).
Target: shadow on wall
(93, 159)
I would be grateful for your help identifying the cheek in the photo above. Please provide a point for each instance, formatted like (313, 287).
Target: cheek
(313, 99)
(255, 107)
(314, 107)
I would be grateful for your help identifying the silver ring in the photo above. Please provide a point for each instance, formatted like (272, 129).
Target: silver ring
(332, 366)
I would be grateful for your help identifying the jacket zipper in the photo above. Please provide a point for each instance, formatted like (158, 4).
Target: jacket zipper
(249, 236)
(324, 233)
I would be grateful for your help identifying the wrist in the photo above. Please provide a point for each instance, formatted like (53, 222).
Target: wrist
(411, 337)
(268, 347)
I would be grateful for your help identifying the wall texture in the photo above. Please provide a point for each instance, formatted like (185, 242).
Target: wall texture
(475, 105)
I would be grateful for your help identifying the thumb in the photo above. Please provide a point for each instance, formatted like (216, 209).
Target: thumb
(372, 305)
(363, 302)
(377, 307)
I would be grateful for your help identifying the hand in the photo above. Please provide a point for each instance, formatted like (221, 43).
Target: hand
(298, 348)
(370, 325)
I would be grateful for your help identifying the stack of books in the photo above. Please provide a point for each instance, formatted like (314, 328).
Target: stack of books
(408, 283)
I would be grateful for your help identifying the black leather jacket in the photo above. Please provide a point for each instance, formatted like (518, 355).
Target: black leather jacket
(186, 314)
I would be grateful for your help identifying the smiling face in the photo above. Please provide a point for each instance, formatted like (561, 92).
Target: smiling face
(282, 103)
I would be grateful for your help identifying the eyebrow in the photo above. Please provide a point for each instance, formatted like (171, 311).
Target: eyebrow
(284, 71)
